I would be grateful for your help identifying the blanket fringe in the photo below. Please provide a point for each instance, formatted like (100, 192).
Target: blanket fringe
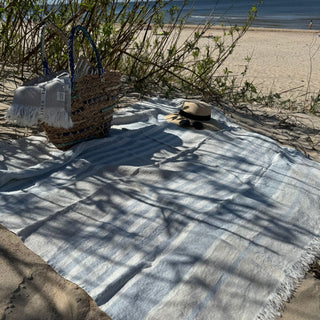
(57, 119)
(22, 115)
(28, 116)
(294, 277)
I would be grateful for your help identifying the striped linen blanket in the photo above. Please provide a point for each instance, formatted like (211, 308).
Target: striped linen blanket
(160, 222)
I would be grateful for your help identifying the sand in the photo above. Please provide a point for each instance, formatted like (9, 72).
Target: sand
(282, 61)
(31, 290)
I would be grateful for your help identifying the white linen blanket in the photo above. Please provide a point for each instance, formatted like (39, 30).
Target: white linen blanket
(160, 222)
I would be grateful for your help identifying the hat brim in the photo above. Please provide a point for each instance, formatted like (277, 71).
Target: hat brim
(209, 125)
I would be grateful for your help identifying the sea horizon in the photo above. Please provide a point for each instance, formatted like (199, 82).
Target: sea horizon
(282, 14)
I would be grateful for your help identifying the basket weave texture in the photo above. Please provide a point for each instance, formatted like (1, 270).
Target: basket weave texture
(92, 106)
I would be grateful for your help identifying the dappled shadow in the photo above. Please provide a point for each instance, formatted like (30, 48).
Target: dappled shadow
(133, 220)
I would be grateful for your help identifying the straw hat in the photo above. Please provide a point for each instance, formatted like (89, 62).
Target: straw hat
(194, 114)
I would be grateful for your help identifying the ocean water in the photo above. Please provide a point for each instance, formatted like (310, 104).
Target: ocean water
(288, 14)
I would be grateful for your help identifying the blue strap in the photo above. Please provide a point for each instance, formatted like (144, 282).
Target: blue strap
(70, 51)
(45, 66)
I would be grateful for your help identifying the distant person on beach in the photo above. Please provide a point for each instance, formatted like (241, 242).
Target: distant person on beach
(310, 24)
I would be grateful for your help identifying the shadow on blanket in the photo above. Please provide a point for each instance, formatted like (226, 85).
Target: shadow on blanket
(37, 159)
(162, 223)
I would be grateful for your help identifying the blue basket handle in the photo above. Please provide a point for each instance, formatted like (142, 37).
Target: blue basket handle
(70, 51)
(45, 66)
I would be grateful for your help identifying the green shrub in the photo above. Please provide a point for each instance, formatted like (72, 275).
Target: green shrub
(131, 37)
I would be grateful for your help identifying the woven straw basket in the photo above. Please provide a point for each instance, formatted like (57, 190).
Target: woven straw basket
(93, 99)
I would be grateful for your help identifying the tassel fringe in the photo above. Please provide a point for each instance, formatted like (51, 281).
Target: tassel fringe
(294, 277)
(27, 116)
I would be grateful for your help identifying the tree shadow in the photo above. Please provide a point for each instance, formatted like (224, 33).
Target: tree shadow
(134, 219)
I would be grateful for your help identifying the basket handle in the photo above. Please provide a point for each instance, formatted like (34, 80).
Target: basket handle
(45, 66)
(70, 51)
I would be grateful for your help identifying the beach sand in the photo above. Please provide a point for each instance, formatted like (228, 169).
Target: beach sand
(30, 289)
(282, 61)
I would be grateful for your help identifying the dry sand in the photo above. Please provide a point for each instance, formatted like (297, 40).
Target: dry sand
(31, 290)
(282, 61)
